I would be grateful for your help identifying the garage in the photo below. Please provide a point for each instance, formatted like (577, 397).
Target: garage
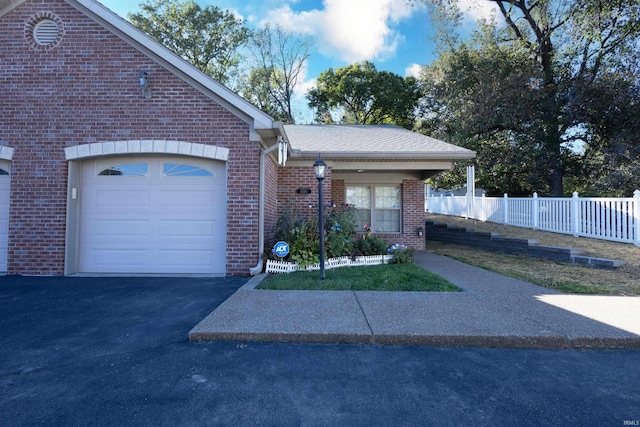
(152, 215)
(5, 182)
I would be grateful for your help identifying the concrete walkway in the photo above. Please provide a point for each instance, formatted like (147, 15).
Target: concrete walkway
(493, 311)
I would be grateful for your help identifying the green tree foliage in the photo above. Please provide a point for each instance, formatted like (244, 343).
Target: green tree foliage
(546, 97)
(365, 95)
(209, 38)
(280, 58)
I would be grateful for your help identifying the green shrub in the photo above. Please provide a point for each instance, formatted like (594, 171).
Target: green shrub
(339, 226)
(337, 244)
(305, 244)
(371, 246)
(401, 254)
(343, 220)
(287, 223)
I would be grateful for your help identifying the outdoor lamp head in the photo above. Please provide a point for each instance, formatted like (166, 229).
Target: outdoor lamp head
(320, 167)
(142, 78)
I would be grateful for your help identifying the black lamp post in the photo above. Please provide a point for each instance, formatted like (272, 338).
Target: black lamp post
(320, 167)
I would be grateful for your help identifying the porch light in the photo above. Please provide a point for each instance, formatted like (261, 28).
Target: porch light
(320, 167)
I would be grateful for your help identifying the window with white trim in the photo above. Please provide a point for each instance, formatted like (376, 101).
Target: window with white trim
(377, 206)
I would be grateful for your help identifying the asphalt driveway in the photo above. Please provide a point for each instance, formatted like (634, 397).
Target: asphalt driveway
(114, 351)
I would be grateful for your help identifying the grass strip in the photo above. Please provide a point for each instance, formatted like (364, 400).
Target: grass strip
(384, 277)
(565, 277)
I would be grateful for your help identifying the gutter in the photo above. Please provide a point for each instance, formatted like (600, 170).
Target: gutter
(263, 155)
(384, 155)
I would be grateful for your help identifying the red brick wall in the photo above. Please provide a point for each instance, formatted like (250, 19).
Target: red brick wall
(338, 192)
(86, 90)
(293, 177)
(412, 214)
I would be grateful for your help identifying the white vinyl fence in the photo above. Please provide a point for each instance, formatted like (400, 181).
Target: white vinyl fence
(616, 219)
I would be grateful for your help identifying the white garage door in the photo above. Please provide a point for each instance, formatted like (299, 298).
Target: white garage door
(153, 215)
(5, 181)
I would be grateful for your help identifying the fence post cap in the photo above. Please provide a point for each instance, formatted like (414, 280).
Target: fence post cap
(636, 193)
(575, 194)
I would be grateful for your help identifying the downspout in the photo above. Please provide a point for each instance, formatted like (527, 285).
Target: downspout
(263, 155)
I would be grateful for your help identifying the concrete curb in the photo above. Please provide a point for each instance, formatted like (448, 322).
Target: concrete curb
(494, 311)
(516, 342)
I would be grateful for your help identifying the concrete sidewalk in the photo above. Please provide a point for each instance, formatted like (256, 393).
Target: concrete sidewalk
(493, 311)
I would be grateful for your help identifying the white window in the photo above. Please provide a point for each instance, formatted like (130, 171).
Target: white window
(377, 206)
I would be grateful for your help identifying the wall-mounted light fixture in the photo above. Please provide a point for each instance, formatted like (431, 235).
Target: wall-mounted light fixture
(420, 231)
(143, 81)
(142, 77)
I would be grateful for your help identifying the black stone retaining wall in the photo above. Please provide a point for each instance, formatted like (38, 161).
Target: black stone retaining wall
(487, 241)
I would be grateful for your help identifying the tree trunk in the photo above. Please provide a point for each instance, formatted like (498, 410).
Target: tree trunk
(556, 187)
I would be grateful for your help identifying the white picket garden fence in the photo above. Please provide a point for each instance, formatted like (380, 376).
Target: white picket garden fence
(615, 219)
(275, 266)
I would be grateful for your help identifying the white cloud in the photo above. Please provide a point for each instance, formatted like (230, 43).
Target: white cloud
(236, 14)
(413, 70)
(478, 9)
(351, 31)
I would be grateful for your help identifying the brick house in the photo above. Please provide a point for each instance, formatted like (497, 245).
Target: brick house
(118, 157)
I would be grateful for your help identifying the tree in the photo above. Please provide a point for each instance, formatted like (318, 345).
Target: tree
(528, 84)
(365, 95)
(280, 58)
(495, 116)
(208, 38)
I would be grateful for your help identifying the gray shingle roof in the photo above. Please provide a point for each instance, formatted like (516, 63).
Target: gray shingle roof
(369, 141)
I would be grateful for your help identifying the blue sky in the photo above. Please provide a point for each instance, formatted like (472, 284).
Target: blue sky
(393, 34)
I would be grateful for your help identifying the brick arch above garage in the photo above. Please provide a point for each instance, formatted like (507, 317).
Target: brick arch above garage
(109, 148)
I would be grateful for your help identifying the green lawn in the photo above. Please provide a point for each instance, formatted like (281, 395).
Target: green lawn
(385, 277)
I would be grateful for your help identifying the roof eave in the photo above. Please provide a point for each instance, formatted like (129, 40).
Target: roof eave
(272, 133)
(465, 155)
(7, 6)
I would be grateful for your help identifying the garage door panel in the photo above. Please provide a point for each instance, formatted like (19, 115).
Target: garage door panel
(153, 223)
(190, 258)
(182, 228)
(120, 228)
(106, 257)
(180, 198)
(113, 198)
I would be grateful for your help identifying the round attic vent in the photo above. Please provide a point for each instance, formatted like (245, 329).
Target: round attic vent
(45, 32)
